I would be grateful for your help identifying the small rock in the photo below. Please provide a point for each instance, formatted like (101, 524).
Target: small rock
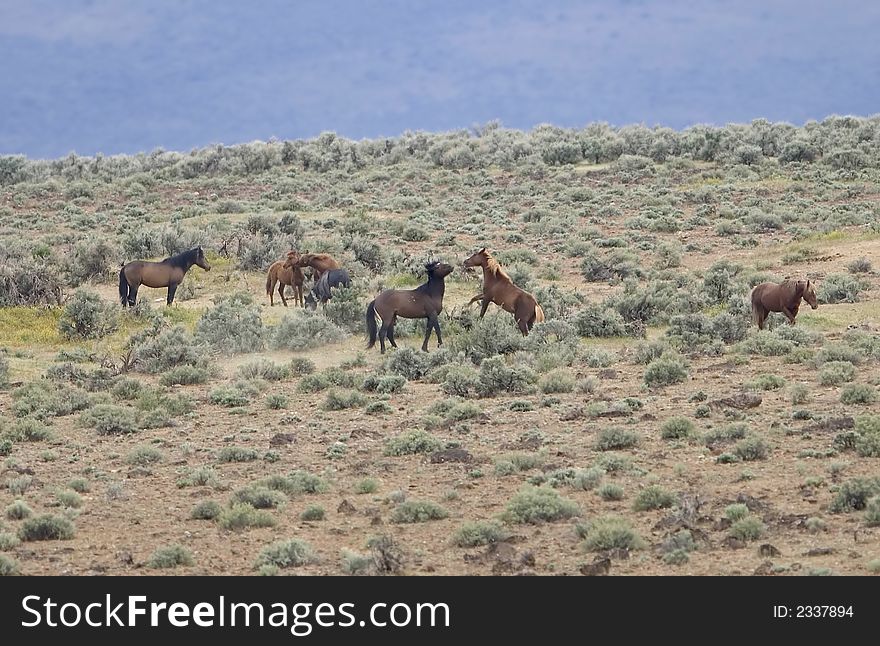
(281, 439)
(768, 550)
(346, 507)
(599, 567)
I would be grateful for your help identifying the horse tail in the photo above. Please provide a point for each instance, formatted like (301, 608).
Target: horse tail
(269, 282)
(123, 287)
(756, 312)
(372, 328)
(539, 314)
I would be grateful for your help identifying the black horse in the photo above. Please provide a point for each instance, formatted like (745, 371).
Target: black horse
(168, 273)
(423, 302)
(320, 293)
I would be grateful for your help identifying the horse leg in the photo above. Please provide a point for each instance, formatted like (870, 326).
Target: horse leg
(281, 287)
(391, 331)
(428, 327)
(271, 291)
(383, 332)
(475, 299)
(132, 295)
(172, 288)
(437, 330)
(761, 317)
(789, 315)
(484, 307)
(298, 295)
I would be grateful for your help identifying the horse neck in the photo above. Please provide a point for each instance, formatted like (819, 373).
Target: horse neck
(435, 286)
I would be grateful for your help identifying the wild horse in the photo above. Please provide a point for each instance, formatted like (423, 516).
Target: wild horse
(321, 293)
(498, 288)
(280, 273)
(423, 302)
(167, 273)
(784, 297)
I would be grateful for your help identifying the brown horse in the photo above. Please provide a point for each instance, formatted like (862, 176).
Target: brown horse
(168, 273)
(498, 288)
(423, 302)
(319, 262)
(280, 273)
(784, 297)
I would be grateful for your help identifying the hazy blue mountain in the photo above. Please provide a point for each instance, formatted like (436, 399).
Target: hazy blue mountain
(117, 76)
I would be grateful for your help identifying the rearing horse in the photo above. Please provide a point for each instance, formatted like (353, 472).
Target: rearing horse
(168, 273)
(319, 262)
(784, 297)
(498, 288)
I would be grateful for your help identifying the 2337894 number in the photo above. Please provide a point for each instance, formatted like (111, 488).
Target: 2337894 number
(823, 611)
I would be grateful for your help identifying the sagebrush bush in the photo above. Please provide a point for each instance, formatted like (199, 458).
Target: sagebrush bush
(8, 566)
(88, 316)
(184, 376)
(233, 325)
(162, 349)
(205, 510)
(610, 491)
(676, 428)
(496, 376)
(384, 384)
(799, 394)
(409, 363)
(28, 430)
(284, 554)
(859, 266)
(338, 399)
(835, 373)
(263, 369)
(558, 381)
(303, 329)
(259, 497)
(171, 556)
(748, 528)
(18, 510)
(597, 320)
(539, 504)
(236, 454)
(858, 394)
(840, 288)
(609, 439)
(46, 528)
(653, 497)
(667, 370)
(751, 448)
(296, 483)
(475, 534)
(418, 511)
(460, 380)
(611, 532)
(853, 495)
(494, 334)
(312, 513)
(92, 259)
(242, 516)
(768, 382)
(412, 443)
(229, 396)
(110, 419)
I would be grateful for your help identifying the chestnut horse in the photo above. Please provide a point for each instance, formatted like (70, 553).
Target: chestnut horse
(280, 273)
(784, 297)
(319, 262)
(423, 302)
(498, 288)
(168, 273)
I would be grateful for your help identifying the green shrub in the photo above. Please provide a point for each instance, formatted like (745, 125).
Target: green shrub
(45, 528)
(835, 373)
(460, 380)
(735, 512)
(748, 528)
(475, 534)
(616, 438)
(184, 375)
(677, 428)
(840, 288)
(296, 483)
(303, 329)
(858, 394)
(294, 552)
(18, 510)
(229, 396)
(242, 516)
(418, 512)
(859, 266)
(205, 510)
(276, 401)
(379, 408)
(725, 435)
(610, 491)
(28, 430)
(69, 499)
(263, 369)
(498, 377)
(110, 419)
(799, 394)
(666, 370)
(200, 477)
(767, 344)
(516, 462)
(751, 448)
(236, 454)
(312, 512)
(611, 532)
(585, 479)
(366, 485)
(8, 541)
(170, 557)
(301, 366)
(87, 316)
(853, 495)
(558, 381)
(768, 382)
(8, 566)
(342, 399)
(259, 497)
(836, 352)
(872, 512)
(653, 497)
(412, 443)
(144, 456)
(597, 320)
(386, 384)
(539, 504)
(161, 350)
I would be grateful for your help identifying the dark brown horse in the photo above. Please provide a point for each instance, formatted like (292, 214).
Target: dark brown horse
(498, 288)
(423, 302)
(319, 262)
(280, 273)
(784, 297)
(168, 273)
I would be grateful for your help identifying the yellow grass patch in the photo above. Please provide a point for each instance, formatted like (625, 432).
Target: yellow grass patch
(30, 326)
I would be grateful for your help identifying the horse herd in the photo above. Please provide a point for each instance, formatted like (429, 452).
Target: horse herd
(423, 302)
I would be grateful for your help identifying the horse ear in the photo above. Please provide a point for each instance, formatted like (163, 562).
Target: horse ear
(808, 284)
(483, 250)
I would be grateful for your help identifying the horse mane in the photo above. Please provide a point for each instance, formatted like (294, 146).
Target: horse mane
(495, 267)
(182, 258)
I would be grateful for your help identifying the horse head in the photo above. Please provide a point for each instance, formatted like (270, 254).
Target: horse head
(808, 293)
(437, 269)
(479, 259)
(293, 259)
(200, 259)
